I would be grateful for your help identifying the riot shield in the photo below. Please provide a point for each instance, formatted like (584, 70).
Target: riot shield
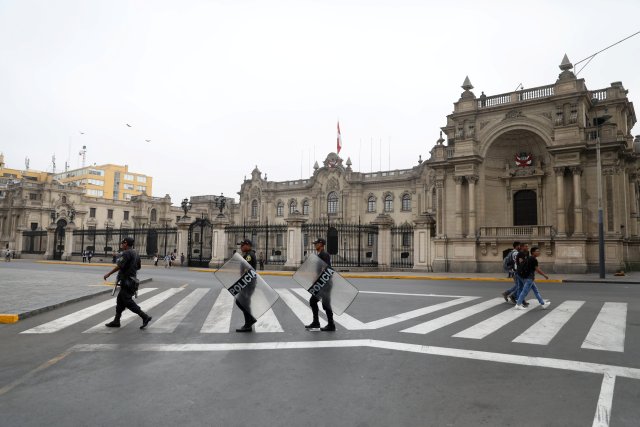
(326, 284)
(246, 286)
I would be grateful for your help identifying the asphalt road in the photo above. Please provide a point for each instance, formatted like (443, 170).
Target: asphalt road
(409, 353)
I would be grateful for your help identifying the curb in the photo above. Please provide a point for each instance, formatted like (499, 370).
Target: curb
(14, 318)
(87, 264)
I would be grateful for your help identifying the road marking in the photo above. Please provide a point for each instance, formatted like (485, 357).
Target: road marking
(513, 359)
(128, 316)
(301, 310)
(268, 323)
(607, 332)
(172, 318)
(492, 324)
(440, 322)
(544, 330)
(6, 389)
(219, 318)
(77, 316)
(414, 295)
(605, 401)
(344, 319)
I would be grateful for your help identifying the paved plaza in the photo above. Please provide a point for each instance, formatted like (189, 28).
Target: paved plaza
(431, 352)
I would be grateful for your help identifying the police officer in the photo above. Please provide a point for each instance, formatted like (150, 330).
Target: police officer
(243, 301)
(127, 266)
(326, 299)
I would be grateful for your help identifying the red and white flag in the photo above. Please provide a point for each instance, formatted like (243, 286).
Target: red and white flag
(339, 139)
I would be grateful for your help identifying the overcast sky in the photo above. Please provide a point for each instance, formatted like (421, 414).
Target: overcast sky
(222, 86)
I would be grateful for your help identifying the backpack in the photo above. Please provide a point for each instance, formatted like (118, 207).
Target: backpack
(508, 262)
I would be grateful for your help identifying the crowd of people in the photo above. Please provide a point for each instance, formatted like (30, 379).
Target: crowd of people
(522, 264)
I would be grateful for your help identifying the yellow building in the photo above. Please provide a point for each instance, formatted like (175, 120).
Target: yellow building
(30, 175)
(108, 181)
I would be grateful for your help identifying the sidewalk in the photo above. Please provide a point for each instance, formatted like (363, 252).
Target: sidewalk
(26, 292)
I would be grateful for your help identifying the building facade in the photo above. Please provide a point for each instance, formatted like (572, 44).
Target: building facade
(113, 182)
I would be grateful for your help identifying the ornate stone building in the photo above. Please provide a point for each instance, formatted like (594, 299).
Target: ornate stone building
(515, 166)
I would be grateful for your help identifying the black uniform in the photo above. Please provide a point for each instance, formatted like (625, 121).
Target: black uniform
(326, 299)
(129, 263)
(243, 301)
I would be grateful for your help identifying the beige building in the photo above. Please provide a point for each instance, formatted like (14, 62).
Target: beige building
(514, 166)
(114, 182)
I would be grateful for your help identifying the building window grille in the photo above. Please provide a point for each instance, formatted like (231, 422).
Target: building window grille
(406, 202)
(92, 212)
(371, 204)
(388, 203)
(280, 209)
(370, 238)
(292, 206)
(332, 203)
(254, 209)
(305, 207)
(109, 213)
(126, 215)
(154, 215)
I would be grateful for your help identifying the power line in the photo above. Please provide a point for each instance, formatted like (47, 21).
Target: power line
(590, 57)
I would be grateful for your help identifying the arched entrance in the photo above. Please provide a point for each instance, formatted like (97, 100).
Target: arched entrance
(525, 208)
(58, 239)
(200, 243)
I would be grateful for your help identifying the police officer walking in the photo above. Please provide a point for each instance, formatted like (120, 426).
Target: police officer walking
(127, 267)
(326, 299)
(244, 298)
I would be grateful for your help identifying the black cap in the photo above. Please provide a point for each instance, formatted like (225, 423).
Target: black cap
(129, 241)
(246, 242)
(320, 240)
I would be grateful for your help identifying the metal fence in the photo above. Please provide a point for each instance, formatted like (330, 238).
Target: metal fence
(402, 246)
(269, 241)
(106, 241)
(34, 241)
(350, 245)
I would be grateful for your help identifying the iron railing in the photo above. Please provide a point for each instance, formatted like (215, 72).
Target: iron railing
(402, 246)
(34, 241)
(350, 245)
(106, 241)
(269, 241)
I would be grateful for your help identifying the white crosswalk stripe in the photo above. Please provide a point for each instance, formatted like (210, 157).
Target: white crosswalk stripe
(300, 309)
(268, 323)
(608, 331)
(168, 322)
(492, 324)
(219, 318)
(128, 317)
(543, 331)
(344, 319)
(441, 322)
(78, 316)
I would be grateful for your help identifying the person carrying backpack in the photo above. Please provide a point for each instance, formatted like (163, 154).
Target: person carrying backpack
(509, 266)
(527, 270)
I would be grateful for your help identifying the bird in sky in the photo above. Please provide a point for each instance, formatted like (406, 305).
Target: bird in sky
(128, 125)
(148, 140)
(81, 133)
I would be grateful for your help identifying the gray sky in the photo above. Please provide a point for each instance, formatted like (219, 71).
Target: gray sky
(221, 86)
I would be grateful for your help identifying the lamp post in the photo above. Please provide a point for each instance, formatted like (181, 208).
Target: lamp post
(601, 266)
(186, 206)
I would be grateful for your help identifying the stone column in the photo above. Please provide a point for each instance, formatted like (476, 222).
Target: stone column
(422, 242)
(68, 241)
(51, 241)
(458, 180)
(634, 205)
(439, 207)
(577, 197)
(19, 241)
(472, 204)
(384, 223)
(294, 239)
(219, 241)
(183, 235)
(560, 202)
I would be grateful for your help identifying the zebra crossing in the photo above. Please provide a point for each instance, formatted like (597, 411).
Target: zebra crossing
(607, 332)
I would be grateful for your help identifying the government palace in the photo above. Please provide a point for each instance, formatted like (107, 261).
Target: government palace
(519, 166)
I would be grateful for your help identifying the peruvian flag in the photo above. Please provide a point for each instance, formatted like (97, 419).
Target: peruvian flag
(339, 138)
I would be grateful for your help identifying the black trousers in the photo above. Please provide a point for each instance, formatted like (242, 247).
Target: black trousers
(326, 304)
(243, 301)
(125, 300)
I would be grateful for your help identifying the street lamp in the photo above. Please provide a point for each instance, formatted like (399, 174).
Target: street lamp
(220, 203)
(604, 118)
(186, 206)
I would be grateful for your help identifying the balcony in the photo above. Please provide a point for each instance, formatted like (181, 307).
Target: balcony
(544, 232)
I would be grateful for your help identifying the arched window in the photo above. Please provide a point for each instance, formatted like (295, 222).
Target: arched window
(371, 204)
(292, 206)
(406, 202)
(388, 203)
(332, 203)
(153, 216)
(280, 209)
(254, 209)
(305, 207)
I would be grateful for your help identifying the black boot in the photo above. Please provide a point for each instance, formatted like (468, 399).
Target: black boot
(145, 321)
(115, 323)
(331, 327)
(313, 325)
(248, 325)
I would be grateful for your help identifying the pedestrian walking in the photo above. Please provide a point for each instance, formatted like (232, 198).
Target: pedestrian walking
(244, 299)
(167, 261)
(155, 260)
(84, 256)
(508, 264)
(528, 270)
(89, 256)
(7, 254)
(261, 260)
(326, 301)
(127, 267)
(181, 259)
